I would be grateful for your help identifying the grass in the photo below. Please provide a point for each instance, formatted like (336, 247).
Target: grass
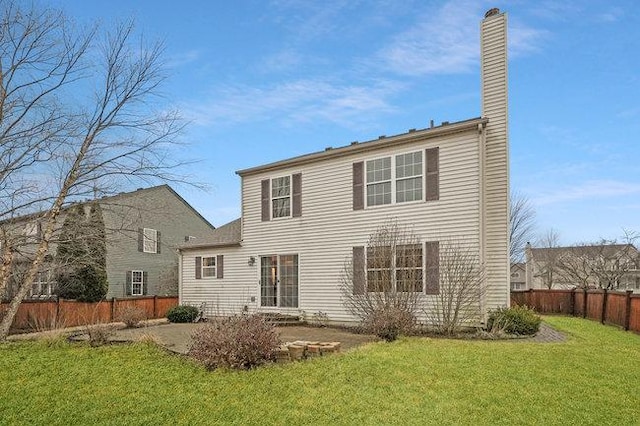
(590, 379)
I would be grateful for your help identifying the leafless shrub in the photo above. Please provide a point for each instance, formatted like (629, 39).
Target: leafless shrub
(48, 321)
(388, 283)
(131, 315)
(389, 322)
(457, 303)
(319, 319)
(99, 334)
(238, 342)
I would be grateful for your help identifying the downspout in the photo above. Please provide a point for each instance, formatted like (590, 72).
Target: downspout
(179, 276)
(482, 138)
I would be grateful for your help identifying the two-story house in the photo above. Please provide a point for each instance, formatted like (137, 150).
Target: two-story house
(610, 266)
(304, 218)
(143, 230)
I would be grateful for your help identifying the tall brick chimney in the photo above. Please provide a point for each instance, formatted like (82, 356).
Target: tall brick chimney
(493, 57)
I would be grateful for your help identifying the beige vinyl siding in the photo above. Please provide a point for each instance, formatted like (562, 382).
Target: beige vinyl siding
(324, 235)
(223, 296)
(496, 174)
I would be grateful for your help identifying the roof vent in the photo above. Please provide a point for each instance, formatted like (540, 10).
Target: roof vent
(329, 148)
(444, 123)
(382, 136)
(354, 143)
(431, 124)
(412, 130)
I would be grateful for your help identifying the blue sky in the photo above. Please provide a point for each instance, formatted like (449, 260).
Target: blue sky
(260, 81)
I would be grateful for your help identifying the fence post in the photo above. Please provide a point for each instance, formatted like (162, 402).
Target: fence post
(572, 302)
(113, 309)
(155, 306)
(57, 309)
(584, 304)
(627, 311)
(604, 306)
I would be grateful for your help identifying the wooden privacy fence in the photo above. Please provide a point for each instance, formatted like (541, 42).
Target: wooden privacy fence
(609, 307)
(43, 314)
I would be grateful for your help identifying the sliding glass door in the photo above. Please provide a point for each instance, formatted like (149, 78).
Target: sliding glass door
(279, 281)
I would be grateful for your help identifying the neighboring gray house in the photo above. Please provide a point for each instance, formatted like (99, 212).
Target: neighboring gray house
(612, 266)
(143, 230)
(303, 217)
(518, 276)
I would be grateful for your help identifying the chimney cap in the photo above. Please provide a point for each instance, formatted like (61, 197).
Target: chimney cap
(492, 12)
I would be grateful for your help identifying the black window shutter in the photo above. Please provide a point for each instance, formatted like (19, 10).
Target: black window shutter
(158, 242)
(432, 185)
(266, 200)
(432, 250)
(296, 211)
(140, 239)
(127, 284)
(198, 267)
(358, 185)
(219, 266)
(145, 283)
(358, 270)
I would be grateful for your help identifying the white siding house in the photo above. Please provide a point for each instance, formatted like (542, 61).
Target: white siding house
(304, 217)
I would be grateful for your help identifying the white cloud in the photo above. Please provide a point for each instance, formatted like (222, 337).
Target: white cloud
(594, 190)
(296, 101)
(183, 58)
(446, 41)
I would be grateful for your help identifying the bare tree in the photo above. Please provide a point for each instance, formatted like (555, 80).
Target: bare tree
(386, 285)
(457, 303)
(548, 255)
(575, 265)
(522, 221)
(612, 262)
(58, 146)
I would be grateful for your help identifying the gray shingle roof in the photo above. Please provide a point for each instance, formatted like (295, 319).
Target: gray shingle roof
(225, 235)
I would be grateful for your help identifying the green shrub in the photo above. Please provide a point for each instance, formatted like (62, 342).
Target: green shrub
(388, 322)
(520, 320)
(240, 342)
(182, 313)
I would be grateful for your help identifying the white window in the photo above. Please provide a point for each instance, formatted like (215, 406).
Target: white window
(137, 283)
(149, 240)
(208, 266)
(515, 275)
(32, 231)
(42, 285)
(281, 197)
(517, 286)
(394, 179)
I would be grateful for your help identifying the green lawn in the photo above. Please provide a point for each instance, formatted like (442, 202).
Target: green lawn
(594, 378)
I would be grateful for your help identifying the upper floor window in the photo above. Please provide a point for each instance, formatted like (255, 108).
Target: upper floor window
(281, 197)
(394, 179)
(150, 240)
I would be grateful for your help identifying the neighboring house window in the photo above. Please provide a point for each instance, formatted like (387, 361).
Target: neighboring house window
(281, 197)
(150, 244)
(209, 267)
(189, 238)
(149, 240)
(32, 231)
(137, 283)
(517, 286)
(42, 285)
(397, 179)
